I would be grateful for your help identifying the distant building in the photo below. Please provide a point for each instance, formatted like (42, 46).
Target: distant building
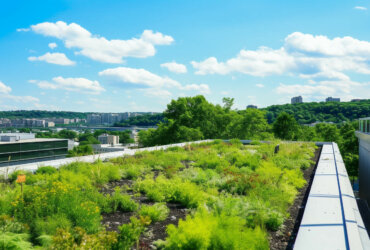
(251, 107)
(50, 124)
(108, 139)
(332, 99)
(10, 137)
(297, 99)
(22, 147)
(94, 119)
(61, 121)
(358, 100)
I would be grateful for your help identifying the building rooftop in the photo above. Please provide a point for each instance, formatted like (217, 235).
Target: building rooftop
(32, 140)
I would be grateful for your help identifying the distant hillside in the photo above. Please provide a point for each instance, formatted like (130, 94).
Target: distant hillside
(310, 112)
(41, 114)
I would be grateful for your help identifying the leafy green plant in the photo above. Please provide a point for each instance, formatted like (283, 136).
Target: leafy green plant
(122, 202)
(207, 231)
(50, 224)
(156, 212)
(130, 233)
(46, 170)
(15, 241)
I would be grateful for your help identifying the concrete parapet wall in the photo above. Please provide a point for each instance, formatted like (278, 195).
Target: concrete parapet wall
(331, 218)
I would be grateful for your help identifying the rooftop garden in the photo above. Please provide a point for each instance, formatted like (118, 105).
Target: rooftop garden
(215, 195)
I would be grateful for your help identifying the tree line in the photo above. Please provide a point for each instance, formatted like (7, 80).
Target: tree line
(310, 112)
(194, 118)
(141, 120)
(19, 114)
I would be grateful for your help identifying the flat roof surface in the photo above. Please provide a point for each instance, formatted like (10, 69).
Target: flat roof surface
(331, 218)
(32, 140)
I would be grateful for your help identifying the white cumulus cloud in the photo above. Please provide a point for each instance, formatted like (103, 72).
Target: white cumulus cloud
(4, 89)
(100, 48)
(174, 67)
(52, 45)
(71, 84)
(54, 58)
(260, 85)
(360, 8)
(139, 76)
(5, 95)
(322, 61)
(201, 88)
(150, 80)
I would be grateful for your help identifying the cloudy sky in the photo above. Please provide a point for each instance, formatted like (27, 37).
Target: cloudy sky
(137, 55)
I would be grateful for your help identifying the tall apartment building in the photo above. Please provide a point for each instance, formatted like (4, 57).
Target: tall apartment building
(108, 118)
(332, 99)
(297, 99)
(94, 119)
(61, 121)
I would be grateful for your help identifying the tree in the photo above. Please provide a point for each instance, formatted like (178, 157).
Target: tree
(67, 134)
(285, 127)
(327, 132)
(248, 124)
(228, 103)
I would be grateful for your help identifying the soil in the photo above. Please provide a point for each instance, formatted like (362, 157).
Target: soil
(285, 237)
(154, 231)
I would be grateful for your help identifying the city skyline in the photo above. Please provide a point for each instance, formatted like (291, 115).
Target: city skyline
(122, 56)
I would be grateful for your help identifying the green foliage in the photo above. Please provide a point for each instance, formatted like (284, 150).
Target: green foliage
(207, 231)
(130, 233)
(285, 127)
(58, 197)
(122, 202)
(14, 241)
(141, 120)
(41, 114)
(306, 113)
(174, 189)
(79, 239)
(50, 224)
(67, 134)
(8, 224)
(46, 170)
(234, 193)
(81, 150)
(247, 124)
(156, 212)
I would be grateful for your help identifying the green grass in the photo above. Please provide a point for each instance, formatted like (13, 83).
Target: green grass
(233, 194)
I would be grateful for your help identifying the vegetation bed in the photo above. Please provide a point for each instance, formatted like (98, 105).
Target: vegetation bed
(204, 196)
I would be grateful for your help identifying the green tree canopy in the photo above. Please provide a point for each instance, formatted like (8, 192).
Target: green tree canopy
(285, 127)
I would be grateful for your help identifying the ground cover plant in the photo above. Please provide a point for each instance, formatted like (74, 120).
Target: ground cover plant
(215, 195)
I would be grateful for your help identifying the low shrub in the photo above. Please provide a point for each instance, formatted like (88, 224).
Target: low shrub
(156, 212)
(173, 190)
(8, 224)
(205, 230)
(79, 239)
(50, 224)
(15, 241)
(46, 170)
(122, 202)
(130, 233)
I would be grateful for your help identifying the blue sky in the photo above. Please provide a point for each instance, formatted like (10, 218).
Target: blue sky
(118, 56)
